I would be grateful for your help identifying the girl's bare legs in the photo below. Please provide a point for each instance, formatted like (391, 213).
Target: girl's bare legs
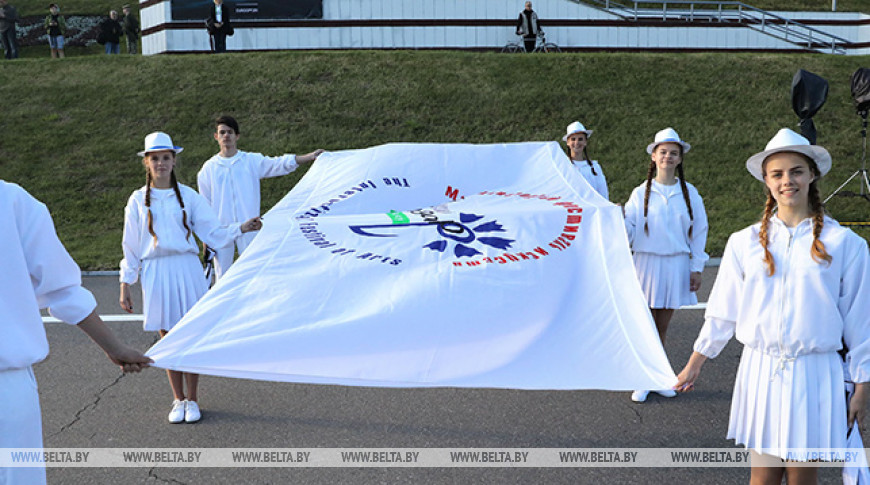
(662, 317)
(176, 379)
(192, 381)
(773, 474)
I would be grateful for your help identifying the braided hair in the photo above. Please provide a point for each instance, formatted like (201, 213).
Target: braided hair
(685, 190)
(763, 237)
(181, 203)
(148, 205)
(650, 173)
(589, 161)
(817, 210)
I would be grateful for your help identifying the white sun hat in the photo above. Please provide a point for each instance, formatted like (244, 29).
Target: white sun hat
(668, 135)
(576, 127)
(158, 141)
(786, 140)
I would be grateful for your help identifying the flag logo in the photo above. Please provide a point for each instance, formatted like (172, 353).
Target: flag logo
(460, 233)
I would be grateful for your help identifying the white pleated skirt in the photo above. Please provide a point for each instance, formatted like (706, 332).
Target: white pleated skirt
(664, 279)
(170, 287)
(793, 404)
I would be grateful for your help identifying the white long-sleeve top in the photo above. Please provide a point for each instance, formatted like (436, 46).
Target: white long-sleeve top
(668, 222)
(804, 307)
(35, 272)
(138, 244)
(596, 180)
(232, 185)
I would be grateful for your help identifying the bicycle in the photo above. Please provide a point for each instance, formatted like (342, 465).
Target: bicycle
(544, 46)
(513, 48)
(541, 46)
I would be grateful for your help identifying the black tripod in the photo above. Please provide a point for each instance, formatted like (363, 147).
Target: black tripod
(862, 172)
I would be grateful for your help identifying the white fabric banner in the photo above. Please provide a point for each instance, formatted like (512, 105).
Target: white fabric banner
(426, 265)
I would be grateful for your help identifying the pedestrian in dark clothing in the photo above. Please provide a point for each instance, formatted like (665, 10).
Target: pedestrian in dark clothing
(218, 25)
(8, 18)
(130, 24)
(527, 26)
(110, 33)
(55, 27)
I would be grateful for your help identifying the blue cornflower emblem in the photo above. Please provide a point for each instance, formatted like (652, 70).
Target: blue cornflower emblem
(462, 234)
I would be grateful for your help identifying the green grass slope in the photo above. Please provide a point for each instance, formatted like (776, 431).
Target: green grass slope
(71, 129)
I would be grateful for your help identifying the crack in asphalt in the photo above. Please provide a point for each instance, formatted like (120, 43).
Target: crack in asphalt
(93, 404)
(153, 475)
(634, 409)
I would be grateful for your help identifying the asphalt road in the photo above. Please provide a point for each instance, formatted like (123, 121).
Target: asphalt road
(86, 402)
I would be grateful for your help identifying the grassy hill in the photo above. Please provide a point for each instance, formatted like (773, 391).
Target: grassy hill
(71, 129)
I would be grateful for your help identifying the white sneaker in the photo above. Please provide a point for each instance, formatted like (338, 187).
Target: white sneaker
(639, 396)
(191, 412)
(667, 393)
(177, 413)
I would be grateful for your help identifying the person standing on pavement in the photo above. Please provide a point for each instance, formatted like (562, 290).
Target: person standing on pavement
(160, 221)
(38, 273)
(230, 182)
(793, 288)
(667, 230)
(130, 25)
(8, 33)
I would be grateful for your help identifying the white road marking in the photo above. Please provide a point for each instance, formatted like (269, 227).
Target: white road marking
(125, 317)
(699, 306)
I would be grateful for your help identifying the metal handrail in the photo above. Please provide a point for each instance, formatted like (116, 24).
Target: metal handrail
(771, 24)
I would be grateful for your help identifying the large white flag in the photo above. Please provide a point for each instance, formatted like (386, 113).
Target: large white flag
(419, 265)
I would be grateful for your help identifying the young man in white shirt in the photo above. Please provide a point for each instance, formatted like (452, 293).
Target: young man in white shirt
(230, 181)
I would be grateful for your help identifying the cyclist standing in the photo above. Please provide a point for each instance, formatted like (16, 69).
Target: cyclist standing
(528, 27)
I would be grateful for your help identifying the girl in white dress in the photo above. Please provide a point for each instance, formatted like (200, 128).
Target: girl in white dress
(667, 229)
(577, 137)
(159, 222)
(792, 287)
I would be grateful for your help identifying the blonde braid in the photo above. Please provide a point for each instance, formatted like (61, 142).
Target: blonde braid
(818, 251)
(649, 177)
(148, 205)
(686, 198)
(763, 237)
(180, 202)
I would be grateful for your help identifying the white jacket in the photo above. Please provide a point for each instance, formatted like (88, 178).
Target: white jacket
(804, 307)
(37, 272)
(668, 221)
(138, 244)
(232, 185)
